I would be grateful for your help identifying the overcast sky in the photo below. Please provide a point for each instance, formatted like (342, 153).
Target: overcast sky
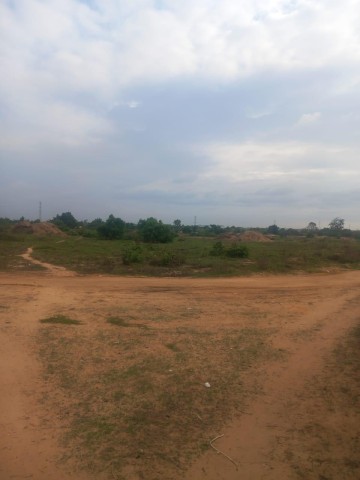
(236, 112)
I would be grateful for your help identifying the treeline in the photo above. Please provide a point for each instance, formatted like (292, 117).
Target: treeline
(152, 230)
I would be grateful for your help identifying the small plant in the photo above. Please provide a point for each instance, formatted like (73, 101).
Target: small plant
(167, 259)
(237, 251)
(60, 319)
(133, 254)
(217, 250)
(120, 322)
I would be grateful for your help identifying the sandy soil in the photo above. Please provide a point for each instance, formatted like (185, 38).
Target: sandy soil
(318, 310)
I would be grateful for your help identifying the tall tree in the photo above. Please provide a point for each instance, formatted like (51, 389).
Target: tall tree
(112, 229)
(152, 230)
(311, 226)
(66, 219)
(337, 224)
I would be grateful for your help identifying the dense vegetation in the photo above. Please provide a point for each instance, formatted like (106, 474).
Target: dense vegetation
(152, 230)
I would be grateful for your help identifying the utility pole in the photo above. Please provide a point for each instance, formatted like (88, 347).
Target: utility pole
(40, 211)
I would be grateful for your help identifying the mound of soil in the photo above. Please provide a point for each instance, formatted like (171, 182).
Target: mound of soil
(251, 236)
(40, 229)
(248, 236)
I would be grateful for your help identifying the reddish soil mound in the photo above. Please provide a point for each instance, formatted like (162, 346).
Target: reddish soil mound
(43, 228)
(251, 236)
(248, 236)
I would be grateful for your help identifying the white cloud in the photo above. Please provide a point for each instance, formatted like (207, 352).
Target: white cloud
(287, 161)
(65, 62)
(309, 118)
(133, 104)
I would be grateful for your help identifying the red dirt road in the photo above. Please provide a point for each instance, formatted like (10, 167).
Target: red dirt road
(30, 434)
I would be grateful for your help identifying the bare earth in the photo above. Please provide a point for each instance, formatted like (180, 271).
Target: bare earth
(280, 427)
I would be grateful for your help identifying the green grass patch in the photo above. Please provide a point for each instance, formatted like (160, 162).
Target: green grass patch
(185, 256)
(122, 322)
(60, 319)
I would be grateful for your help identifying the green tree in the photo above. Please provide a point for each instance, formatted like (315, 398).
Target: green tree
(66, 219)
(177, 225)
(112, 229)
(337, 224)
(312, 227)
(216, 229)
(152, 230)
(96, 223)
(273, 229)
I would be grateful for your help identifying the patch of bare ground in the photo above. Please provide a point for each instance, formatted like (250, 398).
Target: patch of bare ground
(114, 380)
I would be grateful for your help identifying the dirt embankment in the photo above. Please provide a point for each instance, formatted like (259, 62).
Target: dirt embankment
(268, 439)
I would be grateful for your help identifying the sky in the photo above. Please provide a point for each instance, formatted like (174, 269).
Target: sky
(238, 113)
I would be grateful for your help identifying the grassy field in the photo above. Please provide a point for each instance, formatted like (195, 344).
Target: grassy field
(185, 256)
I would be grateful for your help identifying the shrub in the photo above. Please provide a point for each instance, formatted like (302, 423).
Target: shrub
(133, 254)
(237, 251)
(217, 250)
(112, 229)
(154, 231)
(167, 259)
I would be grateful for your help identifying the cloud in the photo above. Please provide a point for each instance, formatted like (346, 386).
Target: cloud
(259, 161)
(133, 104)
(309, 118)
(228, 91)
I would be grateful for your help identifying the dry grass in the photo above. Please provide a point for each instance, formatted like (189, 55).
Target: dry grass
(135, 397)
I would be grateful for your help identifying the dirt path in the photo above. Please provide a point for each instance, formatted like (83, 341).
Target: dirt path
(30, 434)
(253, 440)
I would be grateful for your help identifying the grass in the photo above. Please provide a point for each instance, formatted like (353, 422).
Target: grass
(121, 322)
(60, 319)
(186, 256)
(11, 246)
(147, 406)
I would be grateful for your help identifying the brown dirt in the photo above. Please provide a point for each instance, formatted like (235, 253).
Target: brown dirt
(248, 236)
(251, 236)
(287, 430)
(39, 229)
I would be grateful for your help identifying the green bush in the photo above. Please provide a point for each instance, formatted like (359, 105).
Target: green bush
(133, 254)
(112, 229)
(154, 231)
(167, 259)
(217, 250)
(237, 251)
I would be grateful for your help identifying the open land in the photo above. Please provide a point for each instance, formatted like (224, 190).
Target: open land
(135, 378)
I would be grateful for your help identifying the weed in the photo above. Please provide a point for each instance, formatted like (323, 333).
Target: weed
(121, 322)
(60, 319)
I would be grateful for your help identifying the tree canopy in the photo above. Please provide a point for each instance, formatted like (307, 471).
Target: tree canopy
(152, 230)
(66, 219)
(337, 224)
(112, 229)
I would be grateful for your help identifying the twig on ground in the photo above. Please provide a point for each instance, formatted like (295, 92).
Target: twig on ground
(222, 453)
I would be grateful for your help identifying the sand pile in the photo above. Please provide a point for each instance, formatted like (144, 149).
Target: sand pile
(248, 236)
(43, 228)
(251, 236)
